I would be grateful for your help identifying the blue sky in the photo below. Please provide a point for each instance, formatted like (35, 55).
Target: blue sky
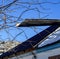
(47, 10)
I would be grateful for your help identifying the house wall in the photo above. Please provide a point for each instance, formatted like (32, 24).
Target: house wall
(39, 55)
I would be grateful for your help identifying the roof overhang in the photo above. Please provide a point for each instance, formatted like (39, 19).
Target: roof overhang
(38, 22)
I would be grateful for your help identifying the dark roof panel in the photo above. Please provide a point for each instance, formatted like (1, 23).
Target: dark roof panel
(30, 43)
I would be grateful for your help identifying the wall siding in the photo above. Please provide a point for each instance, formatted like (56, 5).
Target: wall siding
(42, 55)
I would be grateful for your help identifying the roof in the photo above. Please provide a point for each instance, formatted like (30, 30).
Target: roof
(38, 22)
(32, 42)
(55, 45)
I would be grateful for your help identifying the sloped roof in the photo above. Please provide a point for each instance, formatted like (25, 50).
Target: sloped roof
(53, 37)
(32, 42)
